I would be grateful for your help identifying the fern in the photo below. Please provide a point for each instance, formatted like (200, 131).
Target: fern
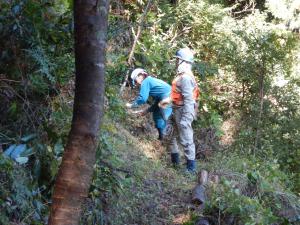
(45, 67)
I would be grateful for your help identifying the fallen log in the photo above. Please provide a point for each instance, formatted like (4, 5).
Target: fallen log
(202, 222)
(199, 196)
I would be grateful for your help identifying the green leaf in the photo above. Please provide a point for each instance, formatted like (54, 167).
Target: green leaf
(28, 137)
(58, 147)
(37, 168)
(22, 160)
(27, 152)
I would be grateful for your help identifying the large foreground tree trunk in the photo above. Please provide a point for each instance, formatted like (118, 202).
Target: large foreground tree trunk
(75, 173)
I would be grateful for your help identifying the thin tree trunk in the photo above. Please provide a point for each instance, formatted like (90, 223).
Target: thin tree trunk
(139, 30)
(261, 107)
(136, 38)
(75, 173)
(243, 94)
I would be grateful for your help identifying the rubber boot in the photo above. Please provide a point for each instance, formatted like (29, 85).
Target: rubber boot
(175, 159)
(191, 166)
(160, 134)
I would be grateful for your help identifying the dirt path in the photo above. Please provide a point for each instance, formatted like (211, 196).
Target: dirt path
(155, 193)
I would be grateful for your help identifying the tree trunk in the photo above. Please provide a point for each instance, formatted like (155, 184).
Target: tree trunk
(261, 107)
(75, 173)
(243, 94)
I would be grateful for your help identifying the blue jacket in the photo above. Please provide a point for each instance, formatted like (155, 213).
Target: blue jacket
(158, 90)
(153, 87)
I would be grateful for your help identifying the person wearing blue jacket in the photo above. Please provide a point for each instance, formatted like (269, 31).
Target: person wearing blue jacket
(158, 90)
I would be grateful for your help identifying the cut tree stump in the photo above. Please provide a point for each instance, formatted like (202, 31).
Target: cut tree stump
(203, 177)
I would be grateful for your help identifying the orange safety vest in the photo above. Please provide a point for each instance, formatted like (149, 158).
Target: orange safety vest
(176, 95)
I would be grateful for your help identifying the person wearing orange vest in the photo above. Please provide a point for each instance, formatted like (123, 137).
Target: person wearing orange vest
(184, 95)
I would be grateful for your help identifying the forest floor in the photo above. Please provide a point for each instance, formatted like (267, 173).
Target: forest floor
(152, 191)
(155, 192)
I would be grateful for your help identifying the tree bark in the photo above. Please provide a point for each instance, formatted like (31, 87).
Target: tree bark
(75, 173)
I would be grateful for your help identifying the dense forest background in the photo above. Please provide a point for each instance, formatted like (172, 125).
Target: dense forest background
(247, 65)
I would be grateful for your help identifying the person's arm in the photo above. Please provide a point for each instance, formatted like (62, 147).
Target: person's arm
(187, 87)
(144, 94)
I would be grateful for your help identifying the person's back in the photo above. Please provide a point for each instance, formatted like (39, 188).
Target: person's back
(158, 90)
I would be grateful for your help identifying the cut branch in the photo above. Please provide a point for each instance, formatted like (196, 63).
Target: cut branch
(137, 36)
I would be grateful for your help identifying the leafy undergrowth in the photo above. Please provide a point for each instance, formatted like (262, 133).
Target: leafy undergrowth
(249, 190)
(141, 187)
(134, 183)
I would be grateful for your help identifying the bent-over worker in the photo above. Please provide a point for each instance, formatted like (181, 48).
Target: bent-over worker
(158, 90)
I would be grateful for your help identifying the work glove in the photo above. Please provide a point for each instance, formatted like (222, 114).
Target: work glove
(128, 105)
(165, 103)
(140, 112)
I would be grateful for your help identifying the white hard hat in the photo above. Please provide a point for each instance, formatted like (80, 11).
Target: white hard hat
(137, 72)
(185, 54)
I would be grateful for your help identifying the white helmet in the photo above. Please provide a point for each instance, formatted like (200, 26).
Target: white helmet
(137, 72)
(185, 54)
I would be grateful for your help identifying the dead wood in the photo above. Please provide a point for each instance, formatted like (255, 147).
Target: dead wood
(203, 177)
(202, 222)
(139, 30)
(199, 195)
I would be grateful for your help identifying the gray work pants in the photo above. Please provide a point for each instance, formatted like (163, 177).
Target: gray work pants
(183, 131)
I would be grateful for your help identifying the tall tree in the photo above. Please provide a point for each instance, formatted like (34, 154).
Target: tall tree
(75, 173)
